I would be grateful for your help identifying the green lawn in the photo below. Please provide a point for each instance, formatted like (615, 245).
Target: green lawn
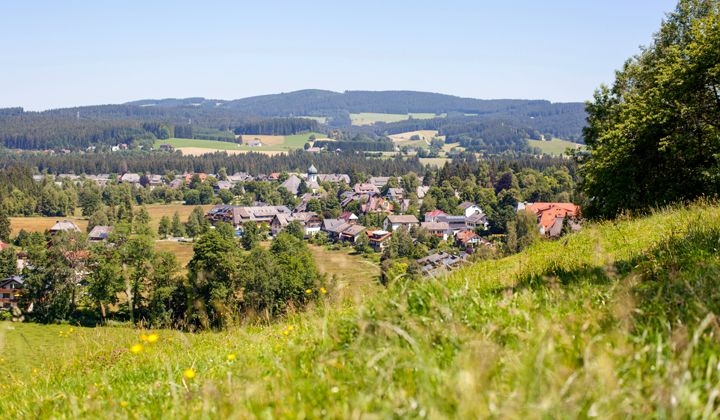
(369, 118)
(616, 321)
(554, 146)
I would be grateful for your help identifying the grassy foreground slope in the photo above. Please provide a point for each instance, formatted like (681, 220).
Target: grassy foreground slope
(614, 321)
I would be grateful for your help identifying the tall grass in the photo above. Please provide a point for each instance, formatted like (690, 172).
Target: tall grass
(615, 321)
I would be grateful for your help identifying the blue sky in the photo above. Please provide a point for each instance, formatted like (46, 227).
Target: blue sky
(56, 53)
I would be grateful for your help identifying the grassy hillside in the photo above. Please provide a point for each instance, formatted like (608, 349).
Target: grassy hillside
(614, 321)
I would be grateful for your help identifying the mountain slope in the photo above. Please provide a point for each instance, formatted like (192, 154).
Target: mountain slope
(614, 321)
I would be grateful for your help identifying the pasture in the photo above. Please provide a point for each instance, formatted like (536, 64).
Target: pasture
(555, 146)
(271, 145)
(370, 118)
(405, 139)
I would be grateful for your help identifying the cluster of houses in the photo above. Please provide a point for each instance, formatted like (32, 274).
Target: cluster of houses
(460, 228)
(10, 287)
(346, 228)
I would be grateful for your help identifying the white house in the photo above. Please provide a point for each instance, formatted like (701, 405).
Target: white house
(393, 222)
(470, 209)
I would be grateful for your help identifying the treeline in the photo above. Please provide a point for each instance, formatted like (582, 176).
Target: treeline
(353, 146)
(252, 163)
(486, 134)
(126, 279)
(80, 128)
(277, 126)
(42, 132)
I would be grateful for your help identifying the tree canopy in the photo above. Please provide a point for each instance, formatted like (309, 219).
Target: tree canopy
(654, 135)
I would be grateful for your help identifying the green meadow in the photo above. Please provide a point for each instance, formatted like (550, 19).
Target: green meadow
(615, 321)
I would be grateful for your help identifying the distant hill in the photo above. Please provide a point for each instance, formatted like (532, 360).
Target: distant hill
(516, 119)
(313, 102)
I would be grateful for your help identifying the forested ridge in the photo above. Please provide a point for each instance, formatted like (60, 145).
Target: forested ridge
(491, 126)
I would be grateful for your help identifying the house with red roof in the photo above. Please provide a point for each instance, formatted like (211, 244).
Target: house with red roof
(551, 216)
(432, 216)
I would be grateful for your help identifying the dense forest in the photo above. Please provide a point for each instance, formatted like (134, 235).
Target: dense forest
(490, 126)
(253, 163)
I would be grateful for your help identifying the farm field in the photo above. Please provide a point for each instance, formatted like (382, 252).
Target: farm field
(370, 118)
(270, 144)
(555, 146)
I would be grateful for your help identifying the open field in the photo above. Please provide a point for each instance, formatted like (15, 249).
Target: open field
(555, 146)
(370, 118)
(183, 251)
(615, 321)
(156, 211)
(449, 146)
(404, 139)
(265, 139)
(41, 224)
(356, 276)
(271, 145)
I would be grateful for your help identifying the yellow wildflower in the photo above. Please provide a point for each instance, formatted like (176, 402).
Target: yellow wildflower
(123, 403)
(231, 357)
(189, 373)
(152, 338)
(143, 337)
(308, 291)
(322, 290)
(71, 330)
(137, 348)
(286, 332)
(290, 327)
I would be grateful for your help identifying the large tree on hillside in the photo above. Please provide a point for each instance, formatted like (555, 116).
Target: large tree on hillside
(653, 135)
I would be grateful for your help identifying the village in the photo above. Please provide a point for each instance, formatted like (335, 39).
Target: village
(369, 215)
